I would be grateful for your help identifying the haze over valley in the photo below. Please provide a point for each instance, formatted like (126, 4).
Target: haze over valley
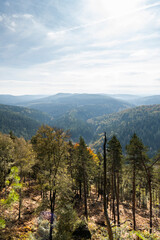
(86, 115)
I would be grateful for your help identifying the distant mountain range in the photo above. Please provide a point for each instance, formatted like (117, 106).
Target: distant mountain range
(85, 105)
(16, 100)
(87, 115)
(75, 99)
(138, 100)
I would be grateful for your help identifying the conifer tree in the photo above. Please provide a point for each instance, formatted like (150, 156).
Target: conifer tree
(135, 150)
(110, 233)
(84, 168)
(82, 158)
(148, 167)
(115, 155)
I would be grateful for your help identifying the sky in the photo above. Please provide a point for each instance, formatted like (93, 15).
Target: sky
(80, 46)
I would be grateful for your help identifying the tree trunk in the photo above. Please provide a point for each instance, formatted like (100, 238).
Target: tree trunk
(20, 197)
(117, 196)
(150, 194)
(5, 194)
(98, 185)
(20, 204)
(85, 198)
(104, 195)
(113, 196)
(52, 201)
(80, 190)
(85, 191)
(133, 198)
(101, 187)
(139, 196)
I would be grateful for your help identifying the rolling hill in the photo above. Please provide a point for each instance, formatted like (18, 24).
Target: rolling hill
(143, 120)
(21, 121)
(86, 115)
(149, 100)
(85, 105)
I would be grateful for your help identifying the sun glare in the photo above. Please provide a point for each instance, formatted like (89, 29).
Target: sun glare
(107, 8)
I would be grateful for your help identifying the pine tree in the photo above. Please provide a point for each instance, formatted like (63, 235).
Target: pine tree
(148, 167)
(110, 233)
(84, 168)
(135, 150)
(115, 155)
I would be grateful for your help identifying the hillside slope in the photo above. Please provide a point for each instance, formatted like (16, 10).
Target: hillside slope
(21, 121)
(144, 121)
(86, 105)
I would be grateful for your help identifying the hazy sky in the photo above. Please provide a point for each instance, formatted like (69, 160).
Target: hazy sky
(94, 46)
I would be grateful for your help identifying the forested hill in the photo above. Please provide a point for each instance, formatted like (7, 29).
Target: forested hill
(85, 105)
(143, 120)
(70, 111)
(81, 119)
(150, 100)
(21, 121)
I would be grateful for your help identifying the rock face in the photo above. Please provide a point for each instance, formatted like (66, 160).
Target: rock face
(82, 232)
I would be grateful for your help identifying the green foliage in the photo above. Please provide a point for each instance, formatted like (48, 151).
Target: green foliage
(66, 215)
(115, 153)
(6, 157)
(146, 236)
(42, 232)
(50, 147)
(62, 168)
(13, 181)
(122, 233)
(135, 150)
(2, 223)
(24, 156)
(14, 185)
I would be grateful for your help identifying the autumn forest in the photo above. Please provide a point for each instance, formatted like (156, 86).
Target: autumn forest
(53, 188)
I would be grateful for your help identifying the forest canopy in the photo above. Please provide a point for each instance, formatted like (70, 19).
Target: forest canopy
(67, 179)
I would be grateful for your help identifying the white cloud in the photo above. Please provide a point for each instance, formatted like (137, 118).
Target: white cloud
(56, 35)
(114, 47)
(22, 16)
